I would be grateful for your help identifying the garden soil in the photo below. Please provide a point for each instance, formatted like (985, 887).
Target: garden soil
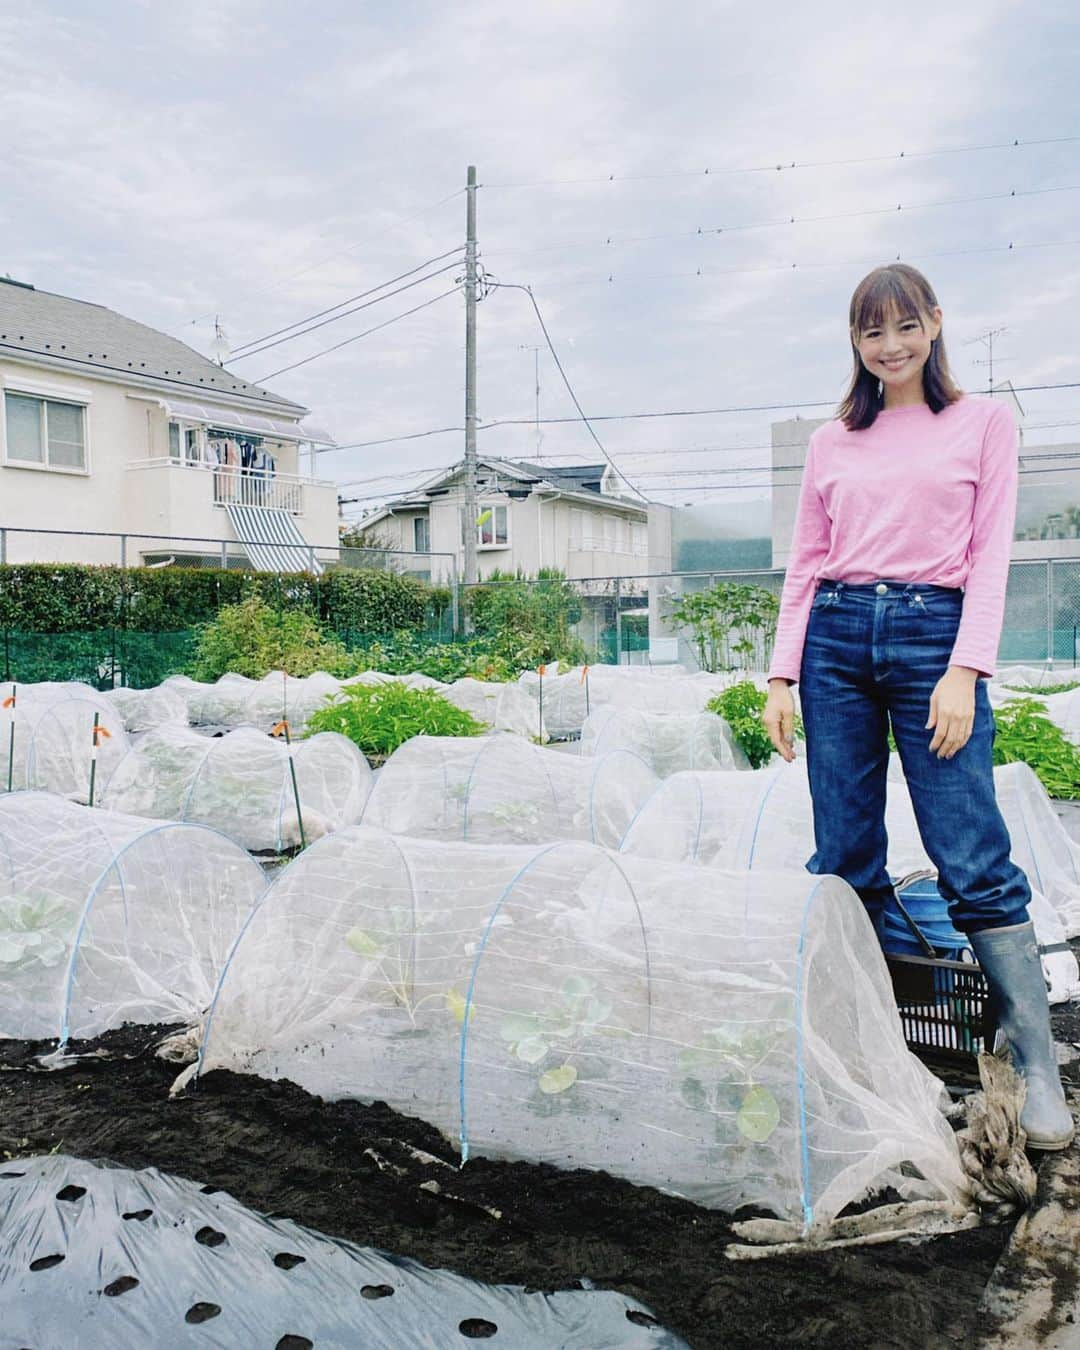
(365, 1173)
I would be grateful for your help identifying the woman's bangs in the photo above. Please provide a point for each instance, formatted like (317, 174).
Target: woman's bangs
(885, 294)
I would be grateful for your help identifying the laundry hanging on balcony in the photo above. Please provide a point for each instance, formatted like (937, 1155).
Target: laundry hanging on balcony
(272, 539)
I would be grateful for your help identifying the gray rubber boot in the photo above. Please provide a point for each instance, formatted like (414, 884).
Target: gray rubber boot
(1009, 958)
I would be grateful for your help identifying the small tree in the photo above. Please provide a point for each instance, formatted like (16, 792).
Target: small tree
(729, 624)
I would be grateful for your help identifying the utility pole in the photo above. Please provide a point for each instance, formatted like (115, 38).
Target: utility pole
(472, 506)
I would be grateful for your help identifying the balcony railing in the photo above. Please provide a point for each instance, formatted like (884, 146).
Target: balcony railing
(232, 486)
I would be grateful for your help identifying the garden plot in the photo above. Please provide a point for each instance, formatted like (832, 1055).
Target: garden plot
(764, 819)
(502, 789)
(148, 709)
(107, 919)
(242, 783)
(727, 1037)
(505, 707)
(48, 741)
(220, 704)
(668, 742)
(569, 698)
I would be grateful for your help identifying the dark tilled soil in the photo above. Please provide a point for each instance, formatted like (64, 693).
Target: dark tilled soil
(347, 1169)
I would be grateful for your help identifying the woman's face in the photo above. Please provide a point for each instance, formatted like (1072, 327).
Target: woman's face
(896, 350)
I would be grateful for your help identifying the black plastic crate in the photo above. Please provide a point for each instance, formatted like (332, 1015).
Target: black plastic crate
(944, 1008)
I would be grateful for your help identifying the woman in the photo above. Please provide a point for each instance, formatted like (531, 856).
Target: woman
(891, 614)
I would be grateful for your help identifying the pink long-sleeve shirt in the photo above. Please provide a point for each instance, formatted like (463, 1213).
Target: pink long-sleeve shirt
(918, 496)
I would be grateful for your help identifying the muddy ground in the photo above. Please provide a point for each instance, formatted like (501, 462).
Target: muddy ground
(347, 1169)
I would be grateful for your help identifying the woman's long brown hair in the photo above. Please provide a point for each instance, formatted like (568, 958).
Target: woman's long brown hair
(902, 290)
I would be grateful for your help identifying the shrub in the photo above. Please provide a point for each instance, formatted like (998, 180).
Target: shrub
(731, 625)
(446, 661)
(1025, 732)
(1044, 688)
(380, 717)
(527, 622)
(741, 707)
(253, 639)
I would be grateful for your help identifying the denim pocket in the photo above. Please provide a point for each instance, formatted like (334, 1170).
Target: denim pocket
(938, 604)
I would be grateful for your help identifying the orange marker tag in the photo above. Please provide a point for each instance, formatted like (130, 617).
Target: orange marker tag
(584, 674)
(541, 670)
(9, 702)
(99, 732)
(280, 729)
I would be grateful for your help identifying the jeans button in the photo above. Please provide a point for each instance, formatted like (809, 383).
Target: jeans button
(881, 588)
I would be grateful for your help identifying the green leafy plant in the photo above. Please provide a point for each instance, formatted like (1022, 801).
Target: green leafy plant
(33, 932)
(380, 717)
(254, 639)
(732, 625)
(528, 623)
(741, 706)
(719, 1078)
(1025, 732)
(559, 1029)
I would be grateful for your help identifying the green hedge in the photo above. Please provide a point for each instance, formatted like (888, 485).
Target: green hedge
(74, 598)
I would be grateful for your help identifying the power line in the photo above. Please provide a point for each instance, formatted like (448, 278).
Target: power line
(716, 412)
(338, 345)
(386, 440)
(702, 231)
(345, 314)
(506, 285)
(787, 166)
(330, 309)
(703, 271)
(312, 267)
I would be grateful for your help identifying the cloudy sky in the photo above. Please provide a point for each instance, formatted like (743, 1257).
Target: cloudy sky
(261, 161)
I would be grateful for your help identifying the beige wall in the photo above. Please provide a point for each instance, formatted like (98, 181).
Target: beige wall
(113, 497)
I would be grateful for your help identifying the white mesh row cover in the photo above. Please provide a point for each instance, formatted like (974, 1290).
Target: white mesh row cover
(506, 707)
(668, 742)
(570, 698)
(1034, 677)
(730, 1037)
(220, 704)
(106, 919)
(503, 789)
(240, 783)
(54, 739)
(763, 819)
(146, 709)
(1063, 708)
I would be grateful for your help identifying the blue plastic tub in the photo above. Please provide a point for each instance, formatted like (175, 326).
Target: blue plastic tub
(924, 902)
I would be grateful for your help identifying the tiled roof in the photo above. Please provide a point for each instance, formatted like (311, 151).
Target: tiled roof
(90, 338)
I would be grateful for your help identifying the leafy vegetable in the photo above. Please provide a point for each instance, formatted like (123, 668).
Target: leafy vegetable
(741, 707)
(1025, 732)
(379, 718)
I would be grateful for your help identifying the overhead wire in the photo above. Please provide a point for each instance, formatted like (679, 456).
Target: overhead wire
(507, 285)
(703, 231)
(785, 165)
(312, 267)
(266, 346)
(357, 336)
(241, 346)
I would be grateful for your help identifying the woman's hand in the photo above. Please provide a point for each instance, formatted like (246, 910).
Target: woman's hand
(779, 718)
(952, 711)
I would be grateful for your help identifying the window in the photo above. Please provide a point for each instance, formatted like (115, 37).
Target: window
(46, 432)
(421, 529)
(492, 527)
(174, 440)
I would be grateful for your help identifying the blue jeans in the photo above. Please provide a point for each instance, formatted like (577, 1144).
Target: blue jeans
(873, 655)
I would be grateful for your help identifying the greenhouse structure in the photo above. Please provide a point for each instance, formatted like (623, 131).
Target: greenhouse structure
(668, 742)
(48, 740)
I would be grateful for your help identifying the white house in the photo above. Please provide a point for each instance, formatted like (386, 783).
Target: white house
(580, 519)
(109, 426)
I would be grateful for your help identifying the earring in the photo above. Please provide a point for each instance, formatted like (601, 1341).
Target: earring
(880, 388)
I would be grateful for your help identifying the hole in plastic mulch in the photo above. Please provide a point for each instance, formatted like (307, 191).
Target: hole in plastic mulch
(138, 1214)
(286, 1260)
(71, 1193)
(201, 1312)
(121, 1286)
(640, 1319)
(210, 1237)
(209, 1190)
(291, 1342)
(477, 1328)
(10, 1176)
(46, 1262)
(377, 1290)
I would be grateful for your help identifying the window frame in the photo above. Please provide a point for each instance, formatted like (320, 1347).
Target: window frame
(425, 521)
(494, 508)
(45, 394)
